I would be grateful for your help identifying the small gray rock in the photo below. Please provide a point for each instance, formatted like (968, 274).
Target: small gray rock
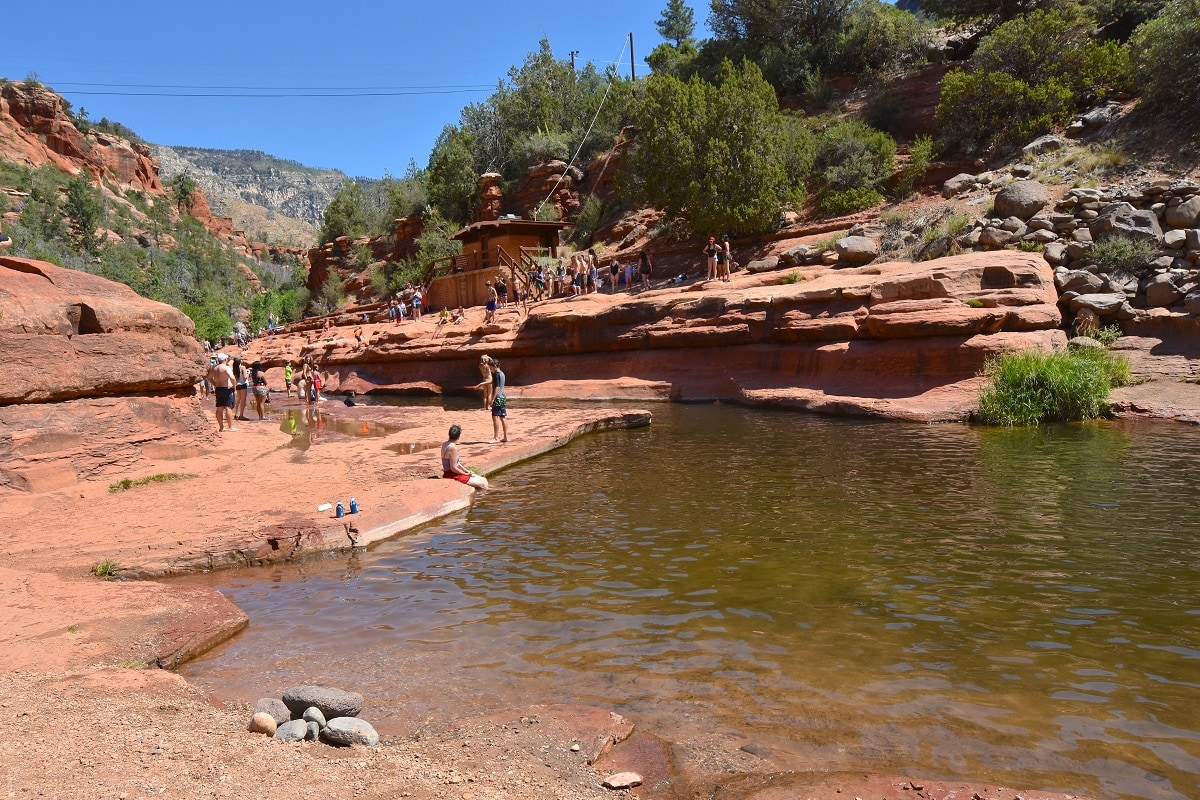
(314, 731)
(346, 731)
(795, 256)
(313, 714)
(1175, 240)
(1055, 253)
(763, 264)
(1083, 343)
(994, 238)
(274, 707)
(332, 702)
(293, 731)
(1081, 281)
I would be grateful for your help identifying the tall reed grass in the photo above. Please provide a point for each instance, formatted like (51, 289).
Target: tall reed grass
(1034, 386)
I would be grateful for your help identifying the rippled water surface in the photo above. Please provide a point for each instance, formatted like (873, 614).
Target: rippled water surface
(1015, 606)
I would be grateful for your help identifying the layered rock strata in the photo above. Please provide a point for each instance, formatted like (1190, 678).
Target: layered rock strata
(95, 376)
(900, 340)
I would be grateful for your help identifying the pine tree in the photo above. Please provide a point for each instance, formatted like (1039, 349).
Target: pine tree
(677, 22)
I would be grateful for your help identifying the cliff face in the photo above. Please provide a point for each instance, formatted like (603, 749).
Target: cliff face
(236, 179)
(34, 129)
(897, 340)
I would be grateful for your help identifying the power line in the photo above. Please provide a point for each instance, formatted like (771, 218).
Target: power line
(404, 93)
(463, 86)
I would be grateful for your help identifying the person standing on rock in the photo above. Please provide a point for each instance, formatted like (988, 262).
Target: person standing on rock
(499, 404)
(287, 378)
(452, 466)
(501, 292)
(724, 259)
(614, 269)
(258, 379)
(644, 270)
(493, 299)
(223, 382)
(241, 385)
(418, 303)
(710, 251)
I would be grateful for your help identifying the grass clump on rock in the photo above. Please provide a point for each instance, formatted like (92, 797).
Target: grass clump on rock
(1032, 387)
(129, 483)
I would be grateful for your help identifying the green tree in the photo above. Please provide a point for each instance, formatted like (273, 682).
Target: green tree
(712, 153)
(452, 175)
(1167, 58)
(677, 22)
(347, 214)
(86, 209)
(784, 23)
(183, 189)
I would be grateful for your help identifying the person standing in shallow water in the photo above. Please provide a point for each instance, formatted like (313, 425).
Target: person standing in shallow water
(452, 466)
(499, 404)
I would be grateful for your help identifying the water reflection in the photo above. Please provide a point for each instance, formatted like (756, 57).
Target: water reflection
(941, 600)
(311, 425)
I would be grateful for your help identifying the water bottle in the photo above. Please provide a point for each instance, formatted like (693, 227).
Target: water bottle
(341, 512)
(353, 506)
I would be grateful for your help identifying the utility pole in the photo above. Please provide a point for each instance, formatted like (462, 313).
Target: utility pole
(632, 68)
(572, 54)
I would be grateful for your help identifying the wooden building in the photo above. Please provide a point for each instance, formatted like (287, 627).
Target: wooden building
(507, 247)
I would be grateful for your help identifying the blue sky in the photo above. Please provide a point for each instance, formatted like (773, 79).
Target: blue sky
(458, 48)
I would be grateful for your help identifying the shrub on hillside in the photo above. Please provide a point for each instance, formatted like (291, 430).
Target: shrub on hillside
(848, 201)
(1033, 387)
(853, 155)
(1122, 255)
(1167, 58)
(1031, 74)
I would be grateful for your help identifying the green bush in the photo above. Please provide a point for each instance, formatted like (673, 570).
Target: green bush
(1121, 254)
(1032, 387)
(920, 156)
(848, 201)
(1031, 74)
(588, 220)
(853, 155)
(1166, 56)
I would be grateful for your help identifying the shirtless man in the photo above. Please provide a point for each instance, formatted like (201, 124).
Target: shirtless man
(492, 302)
(221, 377)
(452, 466)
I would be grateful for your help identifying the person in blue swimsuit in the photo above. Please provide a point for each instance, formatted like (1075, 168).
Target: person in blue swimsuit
(452, 466)
(499, 404)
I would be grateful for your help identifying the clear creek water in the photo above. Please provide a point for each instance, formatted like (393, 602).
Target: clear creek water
(1013, 606)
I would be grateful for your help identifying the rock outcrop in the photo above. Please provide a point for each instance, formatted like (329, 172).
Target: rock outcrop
(899, 339)
(95, 376)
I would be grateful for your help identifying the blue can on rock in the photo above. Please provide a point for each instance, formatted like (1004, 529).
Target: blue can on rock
(353, 506)
(341, 511)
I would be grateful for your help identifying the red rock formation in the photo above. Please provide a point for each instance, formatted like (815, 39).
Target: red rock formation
(35, 130)
(491, 197)
(552, 182)
(95, 376)
(896, 340)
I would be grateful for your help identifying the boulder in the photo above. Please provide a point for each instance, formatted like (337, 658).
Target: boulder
(331, 702)
(1122, 219)
(275, 707)
(347, 731)
(1055, 253)
(960, 183)
(1161, 292)
(1192, 302)
(1100, 302)
(763, 264)
(294, 731)
(856, 250)
(1081, 281)
(1184, 215)
(1044, 144)
(100, 337)
(1021, 199)
(994, 238)
(795, 256)
(1175, 239)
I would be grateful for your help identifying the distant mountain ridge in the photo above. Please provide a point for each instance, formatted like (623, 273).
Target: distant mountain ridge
(281, 199)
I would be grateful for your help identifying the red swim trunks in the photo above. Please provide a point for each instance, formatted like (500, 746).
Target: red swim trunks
(454, 476)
